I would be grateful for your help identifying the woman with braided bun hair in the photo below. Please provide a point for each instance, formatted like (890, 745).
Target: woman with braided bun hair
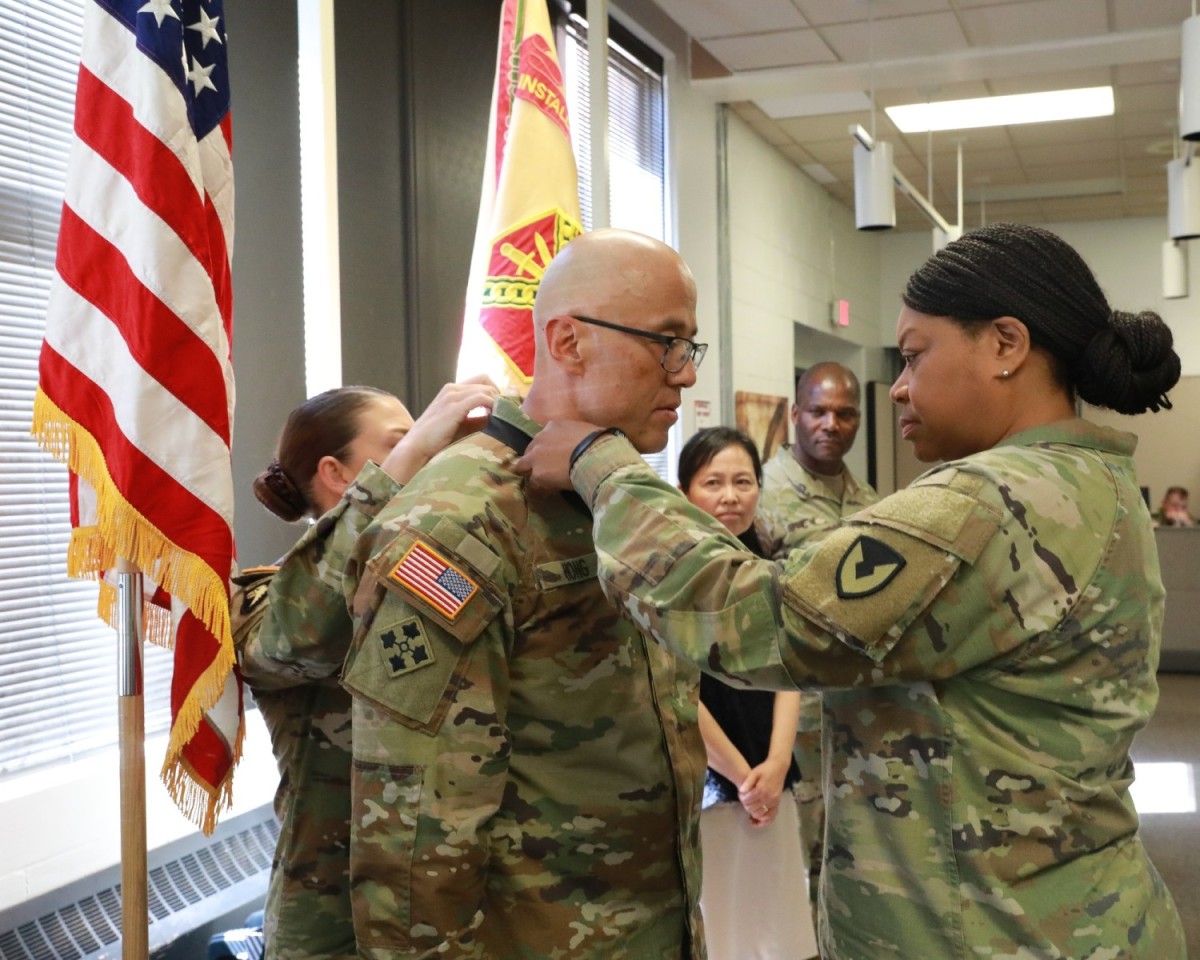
(1108, 358)
(985, 641)
(341, 457)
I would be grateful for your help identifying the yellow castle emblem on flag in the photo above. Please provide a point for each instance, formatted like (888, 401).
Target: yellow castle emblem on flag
(519, 257)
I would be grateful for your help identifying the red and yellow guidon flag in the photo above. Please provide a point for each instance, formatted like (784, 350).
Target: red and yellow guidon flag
(529, 207)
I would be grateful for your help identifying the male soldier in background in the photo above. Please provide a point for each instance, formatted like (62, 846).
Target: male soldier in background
(806, 492)
(527, 767)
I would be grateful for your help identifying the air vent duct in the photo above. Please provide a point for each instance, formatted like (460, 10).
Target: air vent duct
(193, 881)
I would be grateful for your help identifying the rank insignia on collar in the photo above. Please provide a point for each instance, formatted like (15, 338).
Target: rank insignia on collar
(406, 647)
(867, 567)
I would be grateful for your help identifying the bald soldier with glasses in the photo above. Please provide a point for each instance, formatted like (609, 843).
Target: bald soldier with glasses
(527, 766)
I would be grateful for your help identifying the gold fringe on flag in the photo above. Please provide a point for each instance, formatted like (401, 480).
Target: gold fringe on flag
(121, 531)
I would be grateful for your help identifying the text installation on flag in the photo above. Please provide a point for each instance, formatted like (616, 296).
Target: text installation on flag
(135, 390)
(529, 206)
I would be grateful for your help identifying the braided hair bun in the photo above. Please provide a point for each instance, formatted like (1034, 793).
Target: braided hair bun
(1129, 365)
(275, 491)
(324, 425)
(1118, 360)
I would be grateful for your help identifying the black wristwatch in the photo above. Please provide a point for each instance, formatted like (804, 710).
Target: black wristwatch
(582, 447)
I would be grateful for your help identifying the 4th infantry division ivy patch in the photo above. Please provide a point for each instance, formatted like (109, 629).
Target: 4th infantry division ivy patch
(406, 647)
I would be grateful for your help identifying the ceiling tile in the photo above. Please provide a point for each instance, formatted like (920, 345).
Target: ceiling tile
(823, 12)
(1151, 168)
(1061, 80)
(1148, 152)
(1059, 131)
(748, 111)
(834, 126)
(895, 39)
(784, 48)
(832, 152)
(1157, 71)
(1078, 167)
(1148, 184)
(1147, 123)
(797, 154)
(1018, 211)
(1146, 14)
(984, 138)
(989, 163)
(704, 65)
(815, 104)
(1034, 22)
(844, 171)
(1163, 97)
(1083, 208)
(720, 18)
(960, 90)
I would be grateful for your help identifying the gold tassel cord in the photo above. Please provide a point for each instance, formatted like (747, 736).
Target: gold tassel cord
(121, 531)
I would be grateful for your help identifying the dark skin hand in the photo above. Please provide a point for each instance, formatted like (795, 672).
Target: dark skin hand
(547, 458)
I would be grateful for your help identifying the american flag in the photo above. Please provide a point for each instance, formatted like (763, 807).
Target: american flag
(135, 389)
(429, 575)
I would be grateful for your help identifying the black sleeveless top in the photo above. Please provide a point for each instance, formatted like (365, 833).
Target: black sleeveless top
(746, 717)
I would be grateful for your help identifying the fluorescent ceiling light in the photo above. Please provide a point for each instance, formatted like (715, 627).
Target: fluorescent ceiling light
(1001, 111)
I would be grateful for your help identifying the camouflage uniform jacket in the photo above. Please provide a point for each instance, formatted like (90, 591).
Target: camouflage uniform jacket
(292, 634)
(527, 766)
(987, 642)
(796, 507)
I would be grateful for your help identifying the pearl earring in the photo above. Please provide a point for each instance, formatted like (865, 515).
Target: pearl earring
(1004, 373)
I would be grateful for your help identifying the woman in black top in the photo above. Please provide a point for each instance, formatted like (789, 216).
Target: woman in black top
(753, 895)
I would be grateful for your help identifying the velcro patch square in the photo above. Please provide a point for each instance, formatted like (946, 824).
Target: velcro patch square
(435, 579)
(406, 647)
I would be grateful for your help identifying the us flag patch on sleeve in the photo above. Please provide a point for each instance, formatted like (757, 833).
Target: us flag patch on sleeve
(435, 579)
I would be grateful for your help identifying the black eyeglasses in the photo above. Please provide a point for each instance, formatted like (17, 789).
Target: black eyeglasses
(679, 350)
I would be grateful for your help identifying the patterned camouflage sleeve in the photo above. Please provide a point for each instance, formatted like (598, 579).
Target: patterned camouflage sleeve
(305, 630)
(429, 676)
(770, 521)
(833, 614)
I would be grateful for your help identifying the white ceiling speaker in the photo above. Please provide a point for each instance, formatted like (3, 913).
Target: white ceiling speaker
(1174, 270)
(874, 195)
(1183, 197)
(1189, 79)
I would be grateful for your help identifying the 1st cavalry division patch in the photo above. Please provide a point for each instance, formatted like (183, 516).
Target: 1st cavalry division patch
(434, 579)
(867, 567)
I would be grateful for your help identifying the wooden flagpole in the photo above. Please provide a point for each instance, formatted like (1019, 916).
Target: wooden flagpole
(135, 918)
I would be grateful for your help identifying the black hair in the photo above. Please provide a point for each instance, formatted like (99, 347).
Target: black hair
(1122, 361)
(698, 452)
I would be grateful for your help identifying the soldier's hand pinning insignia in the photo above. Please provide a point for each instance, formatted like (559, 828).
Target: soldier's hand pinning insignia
(406, 647)
(867, 566)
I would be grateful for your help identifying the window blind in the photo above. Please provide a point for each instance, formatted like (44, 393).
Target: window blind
(57, 658)
(636, 147)
(635, 134)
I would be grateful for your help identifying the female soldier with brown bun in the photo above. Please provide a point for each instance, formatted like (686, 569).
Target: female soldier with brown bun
(341, 456)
